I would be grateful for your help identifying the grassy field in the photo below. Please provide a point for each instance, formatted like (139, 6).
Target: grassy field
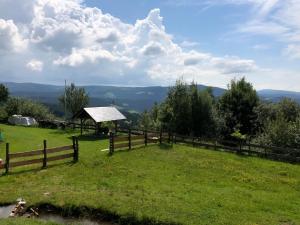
(180, 184)
(25, 222)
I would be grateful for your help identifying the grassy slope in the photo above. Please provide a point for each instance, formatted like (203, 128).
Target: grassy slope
(24, 222)
(183, 184)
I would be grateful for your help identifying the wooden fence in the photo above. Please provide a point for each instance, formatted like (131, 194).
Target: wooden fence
(244, 148)
(135, 138)
(45, 152)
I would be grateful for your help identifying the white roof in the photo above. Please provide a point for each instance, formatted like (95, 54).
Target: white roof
(103, 114)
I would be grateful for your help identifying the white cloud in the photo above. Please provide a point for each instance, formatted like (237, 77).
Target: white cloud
(35, 65)
(293, 51)
(10, 38)
(85, 45)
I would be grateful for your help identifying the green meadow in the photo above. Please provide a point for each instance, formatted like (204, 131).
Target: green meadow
(178, 184)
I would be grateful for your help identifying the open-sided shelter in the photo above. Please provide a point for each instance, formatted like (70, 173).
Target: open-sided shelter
(99, 115)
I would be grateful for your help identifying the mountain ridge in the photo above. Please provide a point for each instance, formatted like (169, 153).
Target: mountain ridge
(125, 97)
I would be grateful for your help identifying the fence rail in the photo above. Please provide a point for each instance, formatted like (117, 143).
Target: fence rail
(42, 152)
(135, 138)
(271, 152)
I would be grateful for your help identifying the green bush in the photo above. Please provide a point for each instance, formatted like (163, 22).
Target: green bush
(27, 107)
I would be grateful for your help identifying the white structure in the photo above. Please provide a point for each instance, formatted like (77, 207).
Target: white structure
(99, 115)
(22, 120)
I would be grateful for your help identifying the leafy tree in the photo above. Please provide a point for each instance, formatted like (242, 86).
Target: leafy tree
(27, 107)
(280, 124)
(178, 102)
(76, 98)
(237, 106)
(289, 109)
(4, 93)
(201, 111)
(145, 121)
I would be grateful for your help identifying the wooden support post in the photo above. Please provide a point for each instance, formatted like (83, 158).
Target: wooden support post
(116, 127)
(76, 151)
(160, 136)
(45, 154)
(146, 137)
(74, 147)
(81, 126)
(129, 139)
(193, 141)
(7, 159)
(111, 143)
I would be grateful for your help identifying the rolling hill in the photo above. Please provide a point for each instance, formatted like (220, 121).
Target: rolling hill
(134, 99)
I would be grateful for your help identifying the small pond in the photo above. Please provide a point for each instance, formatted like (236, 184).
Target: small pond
(50, 216)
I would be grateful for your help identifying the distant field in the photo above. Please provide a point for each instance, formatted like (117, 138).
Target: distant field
(183, 184)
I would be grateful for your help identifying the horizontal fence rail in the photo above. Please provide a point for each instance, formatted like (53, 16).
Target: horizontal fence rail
(271, 152)
(44, 153)
(135, 138)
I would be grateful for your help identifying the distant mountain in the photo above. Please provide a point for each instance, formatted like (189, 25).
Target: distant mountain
(133, 99)
(126, 98)
(277, 95)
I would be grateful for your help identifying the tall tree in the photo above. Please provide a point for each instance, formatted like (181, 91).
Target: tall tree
(201, 111)
(3, 93)
(75, 99)
(178, 100)
(237, 106)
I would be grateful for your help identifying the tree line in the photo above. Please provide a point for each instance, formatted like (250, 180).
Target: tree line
(237, 114)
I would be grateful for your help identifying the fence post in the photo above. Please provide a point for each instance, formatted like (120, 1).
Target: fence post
(146, 137)
(74, 146)
(76, 150)
(160, 136)
(111, 143)
(7, 159)
(193, 141)
(129, 139)
(45, 154)
(174, 138)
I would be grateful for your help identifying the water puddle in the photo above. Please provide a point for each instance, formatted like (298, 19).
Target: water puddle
(5, 211)
(69, 220)
(50, 216)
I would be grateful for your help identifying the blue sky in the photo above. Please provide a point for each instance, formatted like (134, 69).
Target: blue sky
(141, 43)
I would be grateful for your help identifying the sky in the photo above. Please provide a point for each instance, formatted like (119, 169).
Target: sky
(151, 42)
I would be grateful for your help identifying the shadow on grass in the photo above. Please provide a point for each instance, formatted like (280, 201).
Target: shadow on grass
(100, 214)
(165, 146)
(38, 169)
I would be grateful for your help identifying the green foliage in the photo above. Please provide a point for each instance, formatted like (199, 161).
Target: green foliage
(281, 133)
(3, 113)
(289, 109)
(237, 135)
(279, 124)
(75, 99)
(186, 185)
(27, 107)
(178, 101)
(187, 110)
(237, 106)
(203, 121)
(145, 121)
(4, 93)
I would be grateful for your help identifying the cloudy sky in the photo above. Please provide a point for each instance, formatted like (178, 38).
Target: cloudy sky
(151, 42)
